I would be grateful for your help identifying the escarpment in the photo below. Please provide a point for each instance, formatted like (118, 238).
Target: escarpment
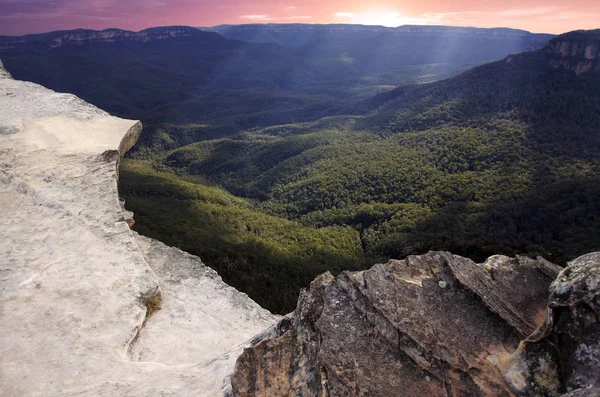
(577, 52)
(439, 325)
(3, 72)
(90, 308)
(80, 37)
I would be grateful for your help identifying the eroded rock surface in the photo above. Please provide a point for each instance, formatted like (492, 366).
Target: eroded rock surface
(439, 325)
(80, 37)
(568, 344)
(80, 292)
(577, 52)
(3, 72)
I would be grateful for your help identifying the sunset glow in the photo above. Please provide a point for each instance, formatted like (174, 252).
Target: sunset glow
(549, 16)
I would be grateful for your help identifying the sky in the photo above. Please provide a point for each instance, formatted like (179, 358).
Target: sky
(19, 17)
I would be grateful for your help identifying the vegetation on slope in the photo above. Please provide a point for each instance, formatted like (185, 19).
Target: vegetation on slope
(501, 159)
(265, 256)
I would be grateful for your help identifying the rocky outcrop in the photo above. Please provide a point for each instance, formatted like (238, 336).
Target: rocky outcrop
(89, 308)
(577, 51)
(3, 72)
(569, 340)
(439, 325)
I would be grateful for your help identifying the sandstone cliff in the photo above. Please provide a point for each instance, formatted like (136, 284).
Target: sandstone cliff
(89, 308)
(85, 36)
(577, 51)
(437, 325)
(3, 72)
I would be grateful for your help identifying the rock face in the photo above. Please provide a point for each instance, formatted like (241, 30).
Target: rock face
(89, 308)
(85, 36)
(570, 337)
(577, 51)
(437, 325)
(3, 72)
(201, 316)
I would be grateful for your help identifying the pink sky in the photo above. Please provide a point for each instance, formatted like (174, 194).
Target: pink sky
(543, 16)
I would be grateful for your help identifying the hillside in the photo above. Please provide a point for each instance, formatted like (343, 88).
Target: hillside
(503, 158)
(215, 94)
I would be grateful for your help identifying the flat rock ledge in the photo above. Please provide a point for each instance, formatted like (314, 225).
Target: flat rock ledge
(437, 325)
(88, 307)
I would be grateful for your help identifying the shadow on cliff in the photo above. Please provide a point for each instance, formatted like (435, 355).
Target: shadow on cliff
(268, 258)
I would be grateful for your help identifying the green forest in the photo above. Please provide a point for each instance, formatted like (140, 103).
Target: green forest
(500, 160)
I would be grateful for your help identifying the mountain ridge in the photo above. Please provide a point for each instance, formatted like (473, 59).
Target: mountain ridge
(78, 37)
(73, 37)
(299, 34)
(581, 47)
(93, 308)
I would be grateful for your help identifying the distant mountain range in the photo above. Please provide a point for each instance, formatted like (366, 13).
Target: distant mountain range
(78, 37)
(287, 34)
(184, 75)
(299, 34)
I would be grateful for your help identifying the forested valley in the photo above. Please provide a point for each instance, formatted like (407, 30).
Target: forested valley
(273, 186)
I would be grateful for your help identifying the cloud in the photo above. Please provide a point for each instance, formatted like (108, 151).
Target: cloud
(299, 17)
(526, 12)
(291, 8)
(511, 15)
(391, 19)
(344, 15)
(567, 16)
(258, 17)
(55, 9)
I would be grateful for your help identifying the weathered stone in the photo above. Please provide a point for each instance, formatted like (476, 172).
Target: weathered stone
(435, 324)
(89, 308)
(566, 350)
(4, 73)
(588, 392)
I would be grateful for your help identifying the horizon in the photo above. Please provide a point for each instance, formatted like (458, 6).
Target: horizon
(282, 23)
(538, 16)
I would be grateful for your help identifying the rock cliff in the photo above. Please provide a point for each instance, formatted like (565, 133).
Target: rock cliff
(89, 308)
(86, 36)
(3, 72)
(438, 325)
(577, 51)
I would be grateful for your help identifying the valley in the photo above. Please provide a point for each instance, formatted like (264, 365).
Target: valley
(275, 161)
